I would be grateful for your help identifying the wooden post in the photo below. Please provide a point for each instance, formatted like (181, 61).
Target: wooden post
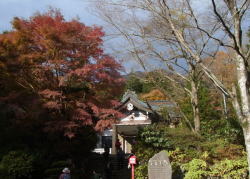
(114, 138)
(123, 143)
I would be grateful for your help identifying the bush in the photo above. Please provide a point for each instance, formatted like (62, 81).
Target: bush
(149, 142)
(56, 168)
(233, 169)
(141, 171)
(191, 156)
(154, 138)
(236, 169)
(17, 164)
(143, 154)
(196, 169)
(220, 149)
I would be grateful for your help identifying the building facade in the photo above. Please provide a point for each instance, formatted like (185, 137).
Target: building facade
(137, 114)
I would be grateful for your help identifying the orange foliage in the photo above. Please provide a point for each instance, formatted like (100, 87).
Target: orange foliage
(64, 64)
(154, 94)
(223, 67)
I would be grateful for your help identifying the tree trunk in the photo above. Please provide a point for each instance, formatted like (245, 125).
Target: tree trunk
(243, 112)
(242, 78)
(195, 107)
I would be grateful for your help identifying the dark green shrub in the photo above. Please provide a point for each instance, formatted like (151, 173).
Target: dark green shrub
(17, 164)
(192, 156)
(56, 168)
(154, 137)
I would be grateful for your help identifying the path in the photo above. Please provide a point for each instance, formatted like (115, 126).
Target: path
(118, 172)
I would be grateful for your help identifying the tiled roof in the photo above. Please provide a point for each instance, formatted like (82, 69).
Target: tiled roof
(131, 96)
(150, 106)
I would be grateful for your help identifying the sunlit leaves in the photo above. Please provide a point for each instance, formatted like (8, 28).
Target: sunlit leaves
(63, 64)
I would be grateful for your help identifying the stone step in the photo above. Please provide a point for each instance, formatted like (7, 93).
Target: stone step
(118, 171)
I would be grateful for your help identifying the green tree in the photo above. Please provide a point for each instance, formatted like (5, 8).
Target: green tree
(134, 83)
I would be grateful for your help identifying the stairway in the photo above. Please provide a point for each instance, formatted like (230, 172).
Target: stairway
(119, 170)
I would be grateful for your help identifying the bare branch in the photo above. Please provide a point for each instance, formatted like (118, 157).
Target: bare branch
(203, 30)
(227, 29)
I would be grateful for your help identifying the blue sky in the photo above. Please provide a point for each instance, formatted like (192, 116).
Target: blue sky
(69, 8)
(26, 8)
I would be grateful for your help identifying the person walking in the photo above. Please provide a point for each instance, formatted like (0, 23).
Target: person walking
(65, 174)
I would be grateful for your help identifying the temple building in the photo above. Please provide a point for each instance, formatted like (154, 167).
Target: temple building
(137, 114)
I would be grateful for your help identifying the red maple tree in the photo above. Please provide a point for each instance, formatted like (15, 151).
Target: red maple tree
(64, 64)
